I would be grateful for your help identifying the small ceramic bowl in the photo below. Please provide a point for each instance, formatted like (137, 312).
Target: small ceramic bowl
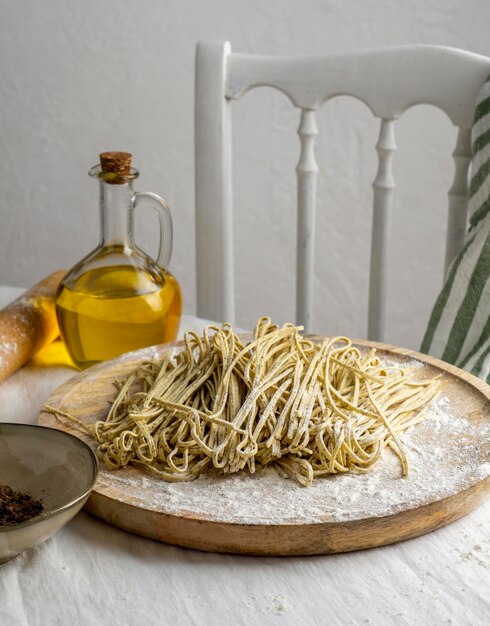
(51, 466)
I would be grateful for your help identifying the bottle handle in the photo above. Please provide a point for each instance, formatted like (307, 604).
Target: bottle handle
(162, 209)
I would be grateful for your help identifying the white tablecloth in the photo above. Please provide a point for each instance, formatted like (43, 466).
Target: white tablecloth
(92, 573)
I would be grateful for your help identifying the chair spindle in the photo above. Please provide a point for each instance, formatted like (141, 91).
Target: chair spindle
(383, 190)
(307, 173)
(458, 197)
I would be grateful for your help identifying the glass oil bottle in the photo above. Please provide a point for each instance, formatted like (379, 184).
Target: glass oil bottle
(118, 298)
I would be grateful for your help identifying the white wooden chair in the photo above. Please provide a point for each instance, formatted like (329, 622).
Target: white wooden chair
(389, 81)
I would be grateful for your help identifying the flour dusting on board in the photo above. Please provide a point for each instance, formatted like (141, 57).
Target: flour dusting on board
(443, 460)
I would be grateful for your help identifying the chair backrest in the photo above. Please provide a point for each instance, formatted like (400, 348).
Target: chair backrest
(388, 81)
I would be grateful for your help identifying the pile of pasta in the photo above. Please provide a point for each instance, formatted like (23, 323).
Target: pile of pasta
(309, 409)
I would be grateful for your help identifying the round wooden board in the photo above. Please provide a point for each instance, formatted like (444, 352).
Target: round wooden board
(268, 515)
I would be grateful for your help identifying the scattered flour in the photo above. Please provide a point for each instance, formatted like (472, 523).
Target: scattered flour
(446, 455)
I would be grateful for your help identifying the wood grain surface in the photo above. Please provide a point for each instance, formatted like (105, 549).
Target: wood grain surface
(142, 511)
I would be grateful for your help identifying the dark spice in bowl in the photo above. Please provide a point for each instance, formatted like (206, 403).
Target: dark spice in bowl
(17, 507)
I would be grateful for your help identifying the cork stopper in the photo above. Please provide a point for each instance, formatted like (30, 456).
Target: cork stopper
(118, 163)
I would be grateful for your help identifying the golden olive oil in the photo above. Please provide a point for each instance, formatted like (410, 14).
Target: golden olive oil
(115, 309)
(118, 298)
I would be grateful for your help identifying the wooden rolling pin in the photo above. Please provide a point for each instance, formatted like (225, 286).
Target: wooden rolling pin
(28, 324)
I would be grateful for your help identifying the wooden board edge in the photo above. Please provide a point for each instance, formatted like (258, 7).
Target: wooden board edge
(288, 540)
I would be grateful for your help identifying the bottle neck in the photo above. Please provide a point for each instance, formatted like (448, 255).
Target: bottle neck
(116, 215)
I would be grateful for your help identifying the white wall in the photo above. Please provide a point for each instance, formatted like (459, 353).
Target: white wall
(80, 77)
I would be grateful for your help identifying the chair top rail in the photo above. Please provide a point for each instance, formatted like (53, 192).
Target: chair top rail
(388, 80)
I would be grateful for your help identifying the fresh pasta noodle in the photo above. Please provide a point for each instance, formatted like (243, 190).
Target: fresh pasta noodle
(309, 409)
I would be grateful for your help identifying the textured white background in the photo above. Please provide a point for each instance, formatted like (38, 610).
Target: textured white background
(77, 78)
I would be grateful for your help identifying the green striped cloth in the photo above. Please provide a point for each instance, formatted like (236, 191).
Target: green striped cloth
(459, 326)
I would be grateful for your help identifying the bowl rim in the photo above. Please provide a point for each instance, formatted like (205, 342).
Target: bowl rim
(52, 512)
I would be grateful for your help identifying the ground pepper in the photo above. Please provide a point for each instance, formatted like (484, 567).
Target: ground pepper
(17, 507)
